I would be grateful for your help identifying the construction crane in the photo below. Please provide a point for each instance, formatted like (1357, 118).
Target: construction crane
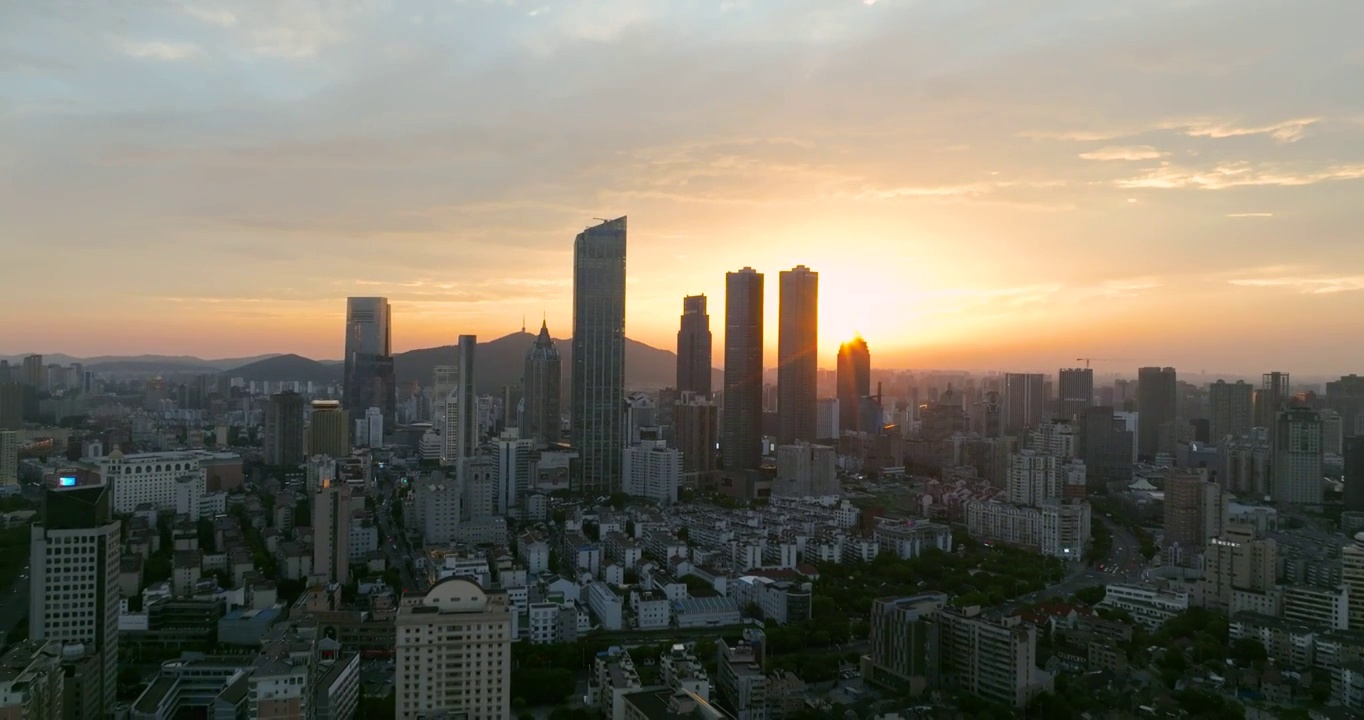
(1088, 359)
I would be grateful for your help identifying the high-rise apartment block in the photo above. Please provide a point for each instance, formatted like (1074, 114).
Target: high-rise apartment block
(331, 533)
(9, 461)
(436, 501)
(598, 376)
(1353, 475)
(454, 653)
(741, 435)
(1238, 561)
(854, 384)
(1025, 401)
(1352, 575)
(1345, 396)
(478, 484)
(797, 355)
(1274, 393)
(328, 429)
(466, 433)
(904, 642)
(653, 471)
(1077, 391)
(11, 406)
(368, 366)
(805, 470)
(515, 460)
(694, 347)
(1156, 391)
(1296, 461)
(1233, 409)
(283, 442)
(74, 596)
(696, 432)
(542, 420)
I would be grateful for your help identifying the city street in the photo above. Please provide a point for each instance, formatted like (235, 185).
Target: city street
(1123, 564)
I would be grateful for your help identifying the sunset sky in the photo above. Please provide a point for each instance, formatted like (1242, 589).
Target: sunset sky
(980, 184)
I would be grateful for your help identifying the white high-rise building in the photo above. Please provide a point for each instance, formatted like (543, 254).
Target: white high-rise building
(1297, 457)
(149, 477)
(454, 653)
(652, 470)
(449, 434)
(515, 458)
(321, 472)
(369, 430)
(826, 419)
(74, 557)
(331, 533)
(436, 501)
(478, 480)
(1033, 478)
(9, 461)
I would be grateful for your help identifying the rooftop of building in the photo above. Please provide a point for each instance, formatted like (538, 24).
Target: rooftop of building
(673, 705)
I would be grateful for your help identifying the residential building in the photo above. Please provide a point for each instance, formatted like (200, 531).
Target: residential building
(741, 434)
(283, 440)
(1233, 409)
(904, 643)
(31, 681)
(741, 685)
(478, 483)
(805, 470)
(74, 595)
(1353, 476)
(1297, 457)
(9, 461)
(1345, 396)
(1193, 510)
(910, 538)
(1237, 560)
(453, 653)
(1352, 576)
(778, 601)
(652, 471)
(331, 533)
(598, 374)
(436, 504)
(542, 421)
(1055, 528)
(1024, 401)
(1272, 397)
(696, 433)
(1320, 607)
(1148, 604)
(854, 384)
(515, 458)
(613, 679)
(694, 347)
(994, 658)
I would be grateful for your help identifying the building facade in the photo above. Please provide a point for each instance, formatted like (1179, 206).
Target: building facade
(541, 420)
(694, 347)
(598, 386)
(798, 355)
(741, 415)
(453, 653)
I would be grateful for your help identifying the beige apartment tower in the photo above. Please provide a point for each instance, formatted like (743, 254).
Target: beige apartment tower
(454, 653)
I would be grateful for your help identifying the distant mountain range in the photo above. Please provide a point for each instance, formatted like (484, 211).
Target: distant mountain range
(496, 363)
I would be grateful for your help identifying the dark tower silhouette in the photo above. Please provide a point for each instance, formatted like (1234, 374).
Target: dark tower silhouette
(694, 347)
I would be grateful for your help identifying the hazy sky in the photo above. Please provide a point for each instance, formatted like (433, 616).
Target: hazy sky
(979, 183)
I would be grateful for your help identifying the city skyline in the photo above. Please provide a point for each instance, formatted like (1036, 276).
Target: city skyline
(251, 141)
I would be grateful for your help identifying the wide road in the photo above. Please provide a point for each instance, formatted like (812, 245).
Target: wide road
(14, 605)
(1123, 564)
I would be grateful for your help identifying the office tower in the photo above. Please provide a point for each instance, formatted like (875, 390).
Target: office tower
(1354, 473)
(1345, 396)
(9, 459)
(329, 429)
(652, 471)
(797, 355)
(331, 533)
(444, 380)
(640, 414)
(454, 653)
(74, 557)
(11, 406)
(597, 424)
(35, 373)
(1025, 401)
(478, 484)
(1274, 393)
(1077, 391)
(1193, 510)
(515, 456)
(1296, 459)
(696, 430)
(904, 644)
(283, 441)
(1352, 576)
(369, 430)
(741, 435)
(1332, 433)
(543, 421)
(694, 347)
(854, 383)
(368, 366)
(1155, 406)
(1233, 406)
(826, 420)
(466, 401)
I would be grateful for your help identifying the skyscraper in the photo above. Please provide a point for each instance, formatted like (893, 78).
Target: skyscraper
(542, 421)
(466, 399)
(331, 533)
(597, 422)
(1345, 396)
(74, 556)
(798, 355)
(854, 383)
(11, 406)
(283, 441)
(35, 373)
(1232, 409)
(695, 427)
(1025, 401)
(694, 347)
(741, 434)
(1077, 392)
(1297, 457)
(368, 367)
(1155, 406)
(1353, 476)
(1193, 510)
(1274, 393)
(329, 429)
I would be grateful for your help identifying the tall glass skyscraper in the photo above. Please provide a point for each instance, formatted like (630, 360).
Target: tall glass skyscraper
(741, 443)
(368, 373)
(694, 347)
(540, 391)
(854, 384)
(798, 355)
(598, 378)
